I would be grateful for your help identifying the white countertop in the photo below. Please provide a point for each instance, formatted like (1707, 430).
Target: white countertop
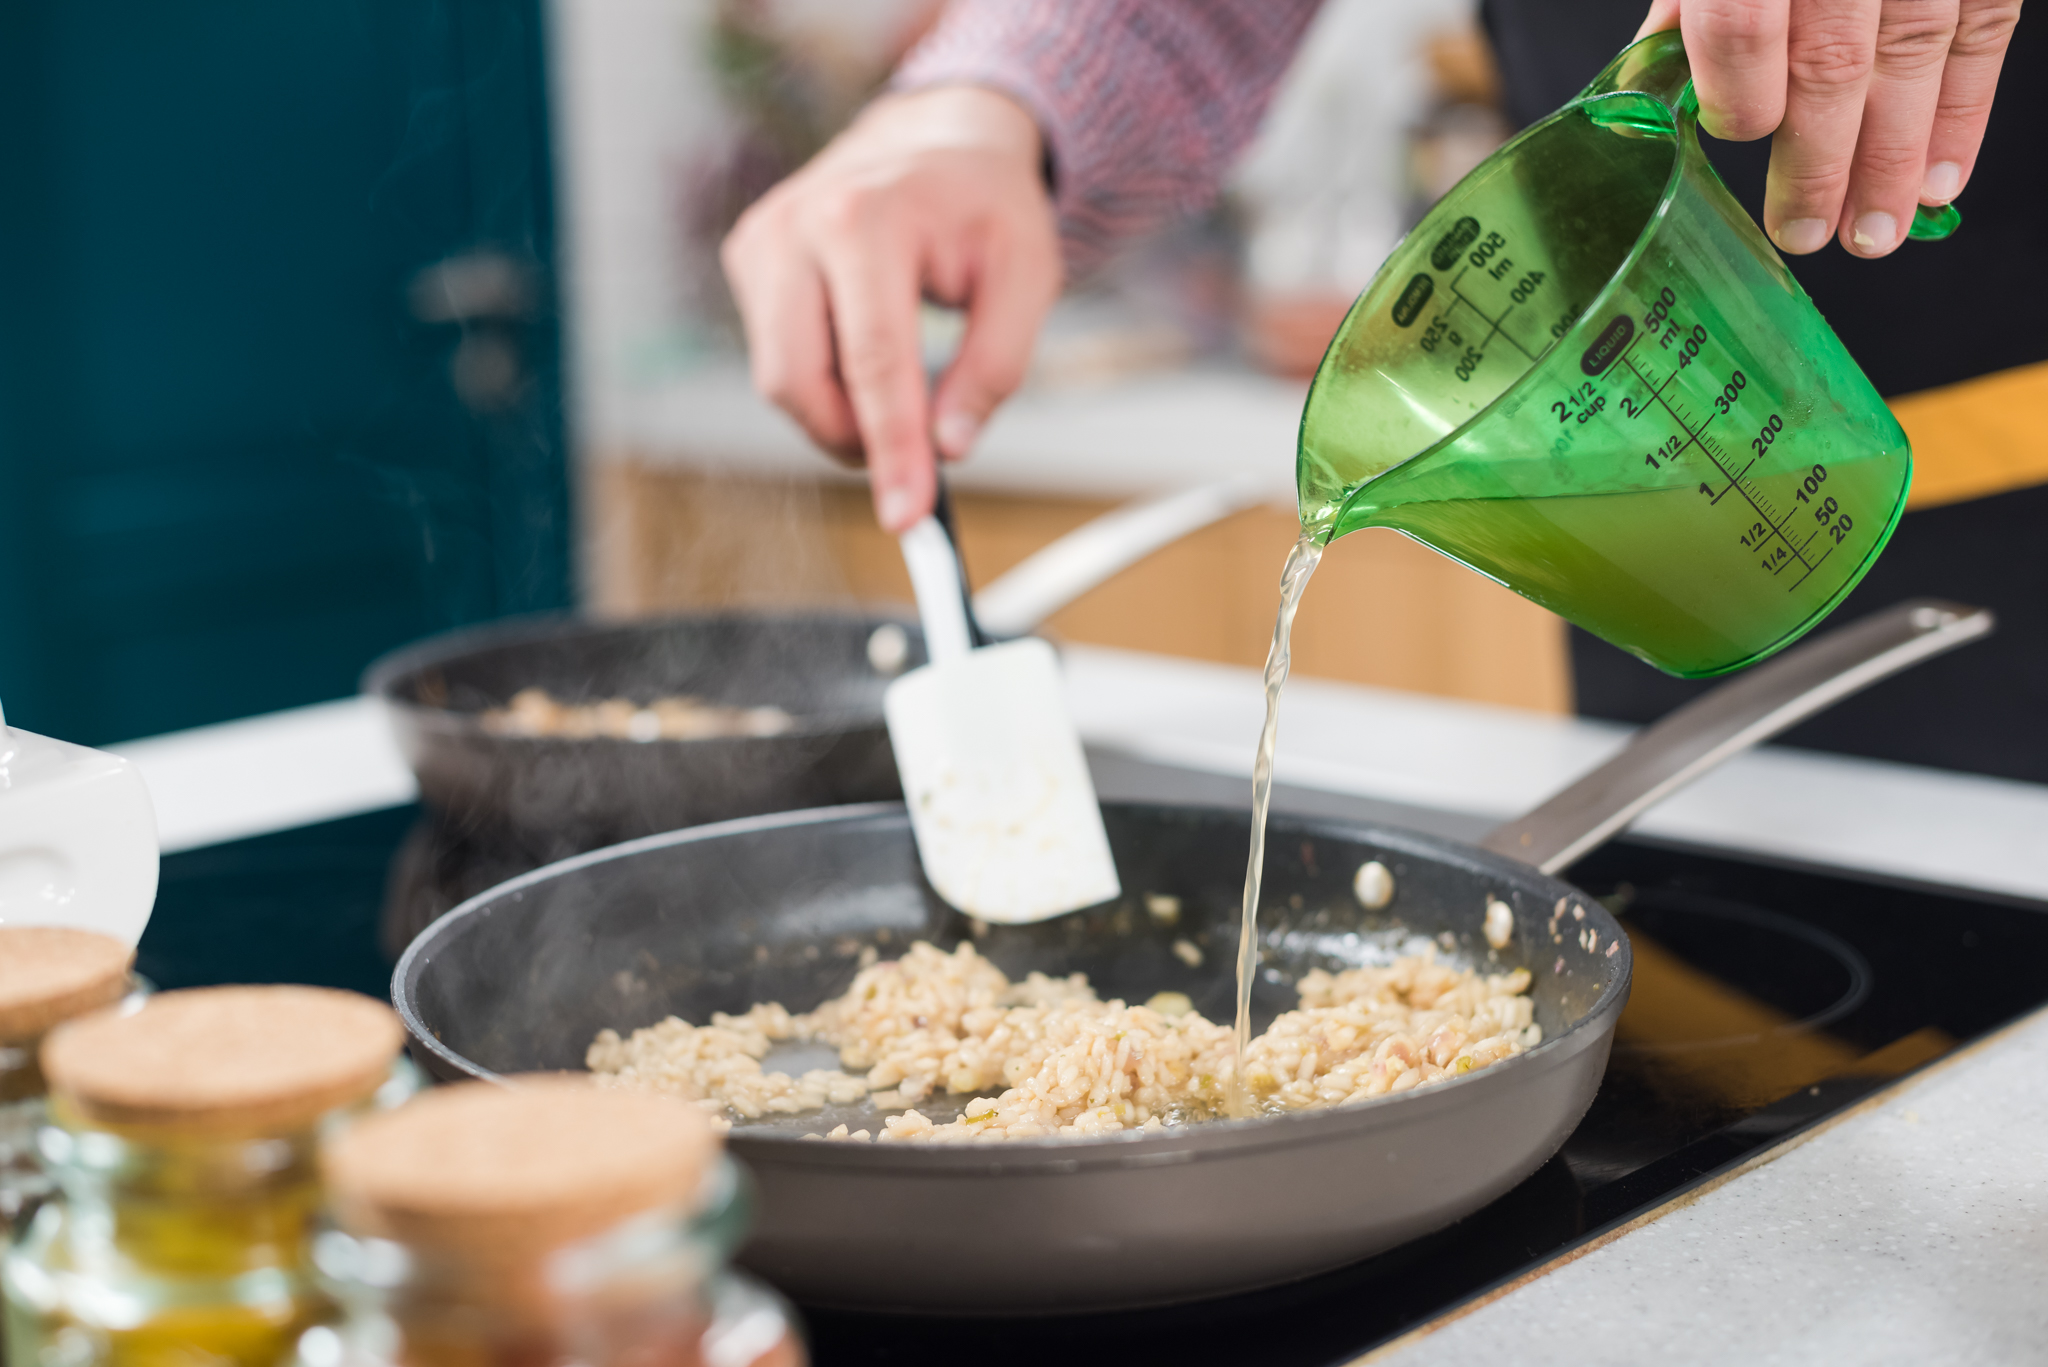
(1914, 1229)
(329, 760)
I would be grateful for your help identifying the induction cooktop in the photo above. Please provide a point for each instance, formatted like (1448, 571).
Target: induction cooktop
(1767, 998)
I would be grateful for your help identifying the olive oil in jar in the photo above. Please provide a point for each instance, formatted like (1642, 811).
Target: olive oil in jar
(545, 1224)
(183, 1138)
(48, 975)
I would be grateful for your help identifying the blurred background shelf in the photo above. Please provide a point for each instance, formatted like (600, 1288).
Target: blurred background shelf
(710, 497)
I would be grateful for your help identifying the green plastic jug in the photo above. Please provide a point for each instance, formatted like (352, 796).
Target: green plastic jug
(1588, 375)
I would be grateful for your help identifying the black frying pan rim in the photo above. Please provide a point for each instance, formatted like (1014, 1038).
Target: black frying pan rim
(1054, 1154)
(389, 672)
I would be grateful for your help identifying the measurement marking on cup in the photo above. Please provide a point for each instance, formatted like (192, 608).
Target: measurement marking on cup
(1811, 568)
(1495, 323)
(1774, 523)
(1658, 392)
(1714, 454)
(1758, 496)
(1692, 438)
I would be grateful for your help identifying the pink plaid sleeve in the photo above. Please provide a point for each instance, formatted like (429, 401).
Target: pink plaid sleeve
(1143, 103)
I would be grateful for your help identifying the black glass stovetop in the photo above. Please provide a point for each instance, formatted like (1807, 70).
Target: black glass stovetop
(1766, 998)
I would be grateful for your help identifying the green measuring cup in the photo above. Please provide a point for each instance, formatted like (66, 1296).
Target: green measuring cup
(1588, 375)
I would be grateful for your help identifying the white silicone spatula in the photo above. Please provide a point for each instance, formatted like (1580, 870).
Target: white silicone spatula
(1007, 824)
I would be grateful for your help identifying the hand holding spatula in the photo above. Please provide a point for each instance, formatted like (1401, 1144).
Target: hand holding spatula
(1007, 825)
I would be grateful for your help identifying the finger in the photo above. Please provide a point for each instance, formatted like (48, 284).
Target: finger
(1983, 29)
(1662, 18)
(1016, 286)
(1913, 39)
(871, 278)
(1737, 51)
(1828, 55)
(781, 299)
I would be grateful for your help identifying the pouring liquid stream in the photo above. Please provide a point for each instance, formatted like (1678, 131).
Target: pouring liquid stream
(1301, 563)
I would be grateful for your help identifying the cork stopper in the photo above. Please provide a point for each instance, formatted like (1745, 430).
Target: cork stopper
(224, 1060)
(490, 1174)
(48, 974)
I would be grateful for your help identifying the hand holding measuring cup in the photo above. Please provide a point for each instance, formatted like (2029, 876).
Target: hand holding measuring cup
(1874, 106)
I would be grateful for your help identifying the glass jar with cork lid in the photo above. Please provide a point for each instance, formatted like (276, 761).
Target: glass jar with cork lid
(184, 1139)
(48, 975)
(542, 1224)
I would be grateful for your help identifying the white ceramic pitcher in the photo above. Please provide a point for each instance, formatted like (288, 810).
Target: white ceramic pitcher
(77, 837)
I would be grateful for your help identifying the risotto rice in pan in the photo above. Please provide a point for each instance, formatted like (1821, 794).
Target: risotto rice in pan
(1045, 1057)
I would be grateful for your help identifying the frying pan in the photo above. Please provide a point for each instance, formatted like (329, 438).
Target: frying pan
(537, 798)
(780, 908)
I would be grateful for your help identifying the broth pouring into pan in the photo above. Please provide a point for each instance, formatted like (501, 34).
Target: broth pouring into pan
(1301, 564)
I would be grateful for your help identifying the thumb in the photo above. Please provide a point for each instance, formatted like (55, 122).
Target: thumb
(1003, 319)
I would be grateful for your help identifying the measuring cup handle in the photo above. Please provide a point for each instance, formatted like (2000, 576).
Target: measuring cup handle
(1666, 756)
(1933, 222)
(1655, 66)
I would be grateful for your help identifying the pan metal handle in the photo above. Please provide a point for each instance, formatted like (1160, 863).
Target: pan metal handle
(1047, 581)
(1671, 753)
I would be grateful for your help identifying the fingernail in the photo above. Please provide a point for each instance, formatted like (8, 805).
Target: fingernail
(1802, 235)
(1874, 232)
(895, 508)
(1941, 182)
(956, 432)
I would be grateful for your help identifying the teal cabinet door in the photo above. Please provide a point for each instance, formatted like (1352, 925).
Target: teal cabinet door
(279, 382)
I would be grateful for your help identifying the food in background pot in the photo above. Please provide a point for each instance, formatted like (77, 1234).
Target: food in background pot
(536, 712)
(1046, 1057)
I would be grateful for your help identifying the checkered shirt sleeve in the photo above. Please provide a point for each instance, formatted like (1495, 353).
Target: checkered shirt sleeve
(1143, 103)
